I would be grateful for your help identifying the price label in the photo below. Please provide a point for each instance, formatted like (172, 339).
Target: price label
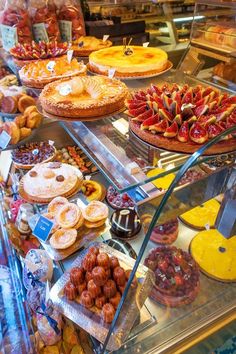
(9, 37)
(65, 90)
(51, 65)
(51, 142)
(4, 139)
(146, 44)
(105, 37)
(43, 228)
(40, 33)
(65, 30)
(207, 226)
(111, 73)
(69, 55)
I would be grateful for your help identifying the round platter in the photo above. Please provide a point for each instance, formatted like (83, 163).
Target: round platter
(135, 77)
(160, 142)
(28, 167)
(87, 119)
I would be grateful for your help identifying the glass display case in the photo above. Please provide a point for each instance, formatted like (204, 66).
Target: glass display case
(124, 161)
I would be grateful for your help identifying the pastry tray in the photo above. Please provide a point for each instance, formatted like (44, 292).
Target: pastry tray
(170, 65)
(91, 321)
(84, 236)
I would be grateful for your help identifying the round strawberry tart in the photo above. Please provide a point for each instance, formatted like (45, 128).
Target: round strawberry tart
(176, 276)
(164, 234)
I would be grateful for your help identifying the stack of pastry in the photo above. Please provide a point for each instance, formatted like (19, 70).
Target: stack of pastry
(95, 214)
(98, 283)
(23, 124)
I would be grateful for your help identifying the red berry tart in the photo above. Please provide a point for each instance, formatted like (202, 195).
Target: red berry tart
(182, 118)
(177, 276)
(118, 200)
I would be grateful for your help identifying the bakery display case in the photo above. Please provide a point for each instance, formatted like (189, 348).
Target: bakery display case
(113, 200)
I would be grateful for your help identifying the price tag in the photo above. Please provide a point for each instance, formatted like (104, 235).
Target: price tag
(51, 65)
(207, 226)
(66, 30)
(146, 44)
(9, 37)
(111, 73)
(87, 178)
(51, 142)
(4, 139)
(69, 55)
(65, 90)
(105, 37)
(40, 33)
(43, 228)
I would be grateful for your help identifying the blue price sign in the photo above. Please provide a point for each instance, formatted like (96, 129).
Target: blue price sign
(4, 139)
(43, 228)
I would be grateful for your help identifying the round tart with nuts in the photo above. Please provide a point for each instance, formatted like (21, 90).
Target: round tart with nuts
(46, 181)
(28, 155)
(83, 97)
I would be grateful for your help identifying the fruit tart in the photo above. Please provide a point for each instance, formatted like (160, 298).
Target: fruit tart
(118, 200)
(182, 118)
(28, 155)
(85, 45)
(26, 53)
(177, 276)
(164, 234)
(83, 97)
(42, 72)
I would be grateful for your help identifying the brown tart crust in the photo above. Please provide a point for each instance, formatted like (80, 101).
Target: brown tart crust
(71, 106)
(175, 145)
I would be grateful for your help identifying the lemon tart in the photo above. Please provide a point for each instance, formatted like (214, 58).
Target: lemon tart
(133, 61)
(42, 72)
(215, 254)
(84, 97)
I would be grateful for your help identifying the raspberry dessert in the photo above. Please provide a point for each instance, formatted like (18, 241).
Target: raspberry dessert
(182, 118)
(177, 276)
(117, 200)
(166, 233)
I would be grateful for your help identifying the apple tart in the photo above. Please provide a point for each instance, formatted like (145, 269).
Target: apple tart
(48, 180)
(83, 97)
(42, 72)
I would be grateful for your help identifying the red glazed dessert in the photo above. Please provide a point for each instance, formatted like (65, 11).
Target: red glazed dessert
(166, 233)
(108, 313)
(134, 283)
(88, 276)
(177, 276)
(19, 19)
(94, 250)
(114, 262)
(89, 261)
(103, 260)
(81, 287)
(108, 273)
(115, 300)
(100, 301)
(99, 276)
(118, 200)
(109, 289)
(119, 276)
(77, 276)
(93, 289)
(86, 299)
(70, 291)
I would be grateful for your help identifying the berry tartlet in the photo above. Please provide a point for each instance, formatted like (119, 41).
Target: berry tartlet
(118, 200)
(177, 276)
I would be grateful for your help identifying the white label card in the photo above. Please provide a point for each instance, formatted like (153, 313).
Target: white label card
(146, 44)
(4, 139)
(69, 55)
(65, 30)
(51, 65)
(51, 142)
(40, 33)
(111, 73)
(65, 90)
(207, 226)
(9, 37)
(105, 37)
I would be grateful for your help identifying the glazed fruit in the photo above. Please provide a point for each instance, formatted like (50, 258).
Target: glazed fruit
(70, 291)
(176, 276)
(93, 289)
(178, 117)
(109, 288)
(86, 299)
(41, 50)
(108, 313)
(117, 200)
(99, 276)
(119, 276)
(77, 276)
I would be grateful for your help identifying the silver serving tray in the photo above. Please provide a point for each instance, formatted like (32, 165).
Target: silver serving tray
(90, 320)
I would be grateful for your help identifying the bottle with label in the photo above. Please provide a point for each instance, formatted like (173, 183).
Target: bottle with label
(23, 225)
